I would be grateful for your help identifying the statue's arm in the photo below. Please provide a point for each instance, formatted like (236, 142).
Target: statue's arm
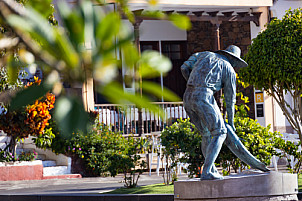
(187, 67)
(230, 93)
(185, 70)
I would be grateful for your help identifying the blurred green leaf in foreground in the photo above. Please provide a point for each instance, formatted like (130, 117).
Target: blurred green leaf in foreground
(86, 48)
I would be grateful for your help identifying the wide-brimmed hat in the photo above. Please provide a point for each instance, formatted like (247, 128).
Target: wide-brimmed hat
(233, 53)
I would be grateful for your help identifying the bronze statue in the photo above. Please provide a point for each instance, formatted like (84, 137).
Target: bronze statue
(206, 73)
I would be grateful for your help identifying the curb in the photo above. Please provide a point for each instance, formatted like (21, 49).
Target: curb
(89, 197)
(64, 176)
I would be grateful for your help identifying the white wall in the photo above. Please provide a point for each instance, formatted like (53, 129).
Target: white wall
(254, 30)
(158, 30)
(280, 119)
(279, 8)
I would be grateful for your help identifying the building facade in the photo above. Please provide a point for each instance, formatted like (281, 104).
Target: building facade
(215, 25)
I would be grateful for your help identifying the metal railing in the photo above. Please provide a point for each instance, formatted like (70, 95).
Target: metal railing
(125, 118)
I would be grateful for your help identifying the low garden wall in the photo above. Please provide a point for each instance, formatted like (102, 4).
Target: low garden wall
(25, 170)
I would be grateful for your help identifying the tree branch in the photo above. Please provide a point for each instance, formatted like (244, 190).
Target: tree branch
(282, 103)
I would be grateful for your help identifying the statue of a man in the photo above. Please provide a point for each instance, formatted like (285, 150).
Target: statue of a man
(206, 73)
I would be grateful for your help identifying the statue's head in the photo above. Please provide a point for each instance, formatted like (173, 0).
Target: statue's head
(233, 52)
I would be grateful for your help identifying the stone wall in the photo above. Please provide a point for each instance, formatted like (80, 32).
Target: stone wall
(202, 38)
(235, 33)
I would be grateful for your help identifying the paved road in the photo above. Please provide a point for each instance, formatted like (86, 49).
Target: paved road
(92, 185)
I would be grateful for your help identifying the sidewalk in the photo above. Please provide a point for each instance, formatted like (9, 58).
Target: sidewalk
(92, 185)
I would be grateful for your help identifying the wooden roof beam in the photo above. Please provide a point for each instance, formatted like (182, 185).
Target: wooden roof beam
(228, 14)
(226, 17)
(198, 13)
(168, 12)
(183, 12)
(243, 14)
(230, 18)
(213, 14)
(257, 14)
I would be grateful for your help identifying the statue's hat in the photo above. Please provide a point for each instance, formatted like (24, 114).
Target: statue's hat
(233, 53)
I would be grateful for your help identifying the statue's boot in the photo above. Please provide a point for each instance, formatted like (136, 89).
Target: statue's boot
(234, 144)
(211, 176)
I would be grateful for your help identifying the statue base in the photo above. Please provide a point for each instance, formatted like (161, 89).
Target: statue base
(246, 186)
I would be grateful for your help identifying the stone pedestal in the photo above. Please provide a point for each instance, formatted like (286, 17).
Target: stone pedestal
(250, 186)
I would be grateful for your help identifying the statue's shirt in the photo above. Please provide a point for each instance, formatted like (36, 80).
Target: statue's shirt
(208, 72)
(213, 71)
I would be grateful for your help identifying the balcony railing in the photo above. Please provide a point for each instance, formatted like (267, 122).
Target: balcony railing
(125, 118)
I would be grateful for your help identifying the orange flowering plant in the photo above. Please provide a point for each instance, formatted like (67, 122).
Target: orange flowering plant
(29, 120)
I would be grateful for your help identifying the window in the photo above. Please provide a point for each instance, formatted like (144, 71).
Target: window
(177, 52)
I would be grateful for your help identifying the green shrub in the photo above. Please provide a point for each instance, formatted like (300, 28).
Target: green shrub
(287, 149)
(27, 156)
(44, 140)
(6, 157)
(23, 156)
(182, 137)
(127, 162)
(104, 152)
